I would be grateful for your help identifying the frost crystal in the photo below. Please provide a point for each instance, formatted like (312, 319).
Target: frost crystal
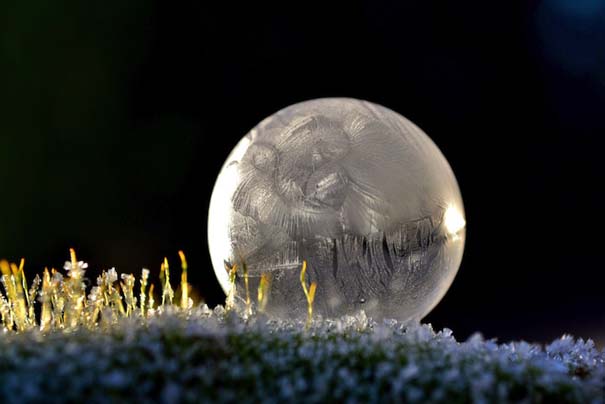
(75, 270)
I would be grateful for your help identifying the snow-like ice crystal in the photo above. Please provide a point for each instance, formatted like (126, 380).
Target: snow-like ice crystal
(356, 190)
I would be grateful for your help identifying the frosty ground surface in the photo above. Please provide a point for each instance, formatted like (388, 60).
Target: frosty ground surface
(200, 355)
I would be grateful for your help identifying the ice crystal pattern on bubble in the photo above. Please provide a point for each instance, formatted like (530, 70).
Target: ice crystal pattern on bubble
(353, 188)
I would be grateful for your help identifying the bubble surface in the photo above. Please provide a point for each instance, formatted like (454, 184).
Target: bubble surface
(355, 189)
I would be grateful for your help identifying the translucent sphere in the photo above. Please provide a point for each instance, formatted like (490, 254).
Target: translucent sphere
(356, 190)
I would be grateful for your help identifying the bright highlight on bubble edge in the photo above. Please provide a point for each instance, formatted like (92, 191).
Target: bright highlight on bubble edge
(453, 221)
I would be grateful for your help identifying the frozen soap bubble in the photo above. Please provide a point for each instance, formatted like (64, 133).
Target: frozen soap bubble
(356, 190)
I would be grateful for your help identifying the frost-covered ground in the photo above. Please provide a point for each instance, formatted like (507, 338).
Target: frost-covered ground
(201, 355)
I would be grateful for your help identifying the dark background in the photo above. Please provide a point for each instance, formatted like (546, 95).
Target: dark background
(116, 116)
